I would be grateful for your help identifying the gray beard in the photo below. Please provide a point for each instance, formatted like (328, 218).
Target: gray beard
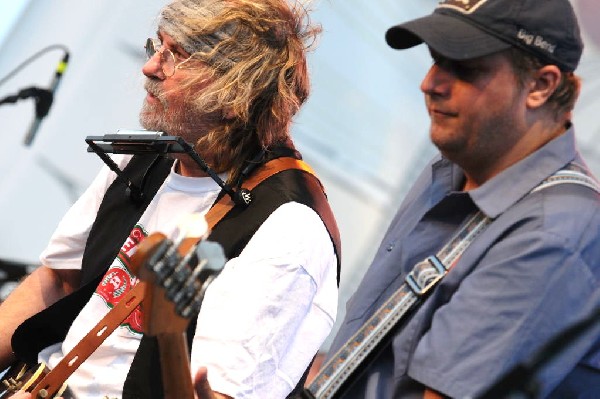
(180, 122)
(150, 120)
(190, 124)
(183, 119)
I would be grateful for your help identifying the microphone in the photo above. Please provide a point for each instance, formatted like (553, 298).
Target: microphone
(44, 98)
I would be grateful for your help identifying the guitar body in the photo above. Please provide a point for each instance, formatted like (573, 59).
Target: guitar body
(22, 377)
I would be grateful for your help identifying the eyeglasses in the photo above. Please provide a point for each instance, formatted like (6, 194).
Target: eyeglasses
(167, 58)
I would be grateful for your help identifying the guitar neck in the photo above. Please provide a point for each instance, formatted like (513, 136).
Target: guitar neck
(175, 366)
(169, 284)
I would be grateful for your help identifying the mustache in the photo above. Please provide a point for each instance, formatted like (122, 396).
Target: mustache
(153, 87)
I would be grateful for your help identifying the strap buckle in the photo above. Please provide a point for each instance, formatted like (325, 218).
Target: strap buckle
(425, 275)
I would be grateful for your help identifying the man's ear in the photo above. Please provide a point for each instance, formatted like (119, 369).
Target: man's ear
(543, 83)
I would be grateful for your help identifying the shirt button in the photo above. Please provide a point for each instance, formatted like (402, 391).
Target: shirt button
(390, 247)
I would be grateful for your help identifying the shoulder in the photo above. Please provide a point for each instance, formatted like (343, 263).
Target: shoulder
(295, 232)
(296, 222)
(301, 218)
(557, 228)
(569, 212)
(290, 184)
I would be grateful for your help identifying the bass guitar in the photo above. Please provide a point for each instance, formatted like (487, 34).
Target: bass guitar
(173, 280)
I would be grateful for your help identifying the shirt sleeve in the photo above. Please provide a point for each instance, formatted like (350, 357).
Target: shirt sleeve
(525, 290)
(266, 315)
(66, 246)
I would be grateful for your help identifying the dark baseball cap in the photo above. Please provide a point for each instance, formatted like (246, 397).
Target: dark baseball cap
(465, 29)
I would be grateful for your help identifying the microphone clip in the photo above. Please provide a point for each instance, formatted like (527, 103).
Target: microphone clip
(43, 99)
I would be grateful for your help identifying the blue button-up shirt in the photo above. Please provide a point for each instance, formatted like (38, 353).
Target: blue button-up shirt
(532, 273)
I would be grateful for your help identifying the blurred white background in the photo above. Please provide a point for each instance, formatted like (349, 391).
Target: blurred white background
(364, 128)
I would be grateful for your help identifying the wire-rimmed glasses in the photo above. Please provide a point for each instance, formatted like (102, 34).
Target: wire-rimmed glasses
(167, 58)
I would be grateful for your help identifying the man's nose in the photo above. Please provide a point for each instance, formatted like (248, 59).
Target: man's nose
(153, 67)
(436, 82)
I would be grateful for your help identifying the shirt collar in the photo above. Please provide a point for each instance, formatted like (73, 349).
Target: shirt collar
(519, 179)
(514, 182)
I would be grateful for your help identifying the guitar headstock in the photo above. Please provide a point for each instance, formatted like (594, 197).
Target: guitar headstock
(176, 275)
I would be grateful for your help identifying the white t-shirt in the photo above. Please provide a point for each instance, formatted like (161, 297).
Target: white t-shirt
(262, 319)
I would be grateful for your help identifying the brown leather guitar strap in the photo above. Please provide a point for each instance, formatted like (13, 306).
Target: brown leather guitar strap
(220, 209)
(54, 380)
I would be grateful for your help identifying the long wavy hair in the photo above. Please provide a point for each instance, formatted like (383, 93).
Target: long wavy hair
(255, 54)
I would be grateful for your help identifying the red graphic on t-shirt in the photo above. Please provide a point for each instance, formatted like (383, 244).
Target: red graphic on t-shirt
(118, 280)
(134, 321)
(128, 249)
(114, 284)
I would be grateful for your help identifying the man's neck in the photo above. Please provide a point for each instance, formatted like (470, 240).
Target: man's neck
(185, 166)
(479, 172)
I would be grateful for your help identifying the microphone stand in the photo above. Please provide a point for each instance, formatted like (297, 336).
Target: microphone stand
(43, 100)
(43, 97)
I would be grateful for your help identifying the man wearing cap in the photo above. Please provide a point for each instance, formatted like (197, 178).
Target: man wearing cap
(226, 76)
(499, 95)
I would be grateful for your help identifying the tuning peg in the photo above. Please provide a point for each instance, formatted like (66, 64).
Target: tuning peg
(212, 252)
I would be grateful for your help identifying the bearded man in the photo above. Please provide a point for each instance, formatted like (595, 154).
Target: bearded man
(227, 77)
